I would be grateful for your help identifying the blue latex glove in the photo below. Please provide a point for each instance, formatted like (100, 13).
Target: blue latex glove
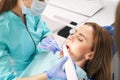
(49, 44)
(111, 29)
(56, 72)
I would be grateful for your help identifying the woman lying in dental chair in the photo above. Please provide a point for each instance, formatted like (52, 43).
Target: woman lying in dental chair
(90, 48)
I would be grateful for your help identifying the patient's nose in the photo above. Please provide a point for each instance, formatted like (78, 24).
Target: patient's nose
(72, 37)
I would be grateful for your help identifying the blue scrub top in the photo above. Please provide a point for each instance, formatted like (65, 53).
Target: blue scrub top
(18, 42)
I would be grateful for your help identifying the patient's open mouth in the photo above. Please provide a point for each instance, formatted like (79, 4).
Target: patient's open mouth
(67, 46)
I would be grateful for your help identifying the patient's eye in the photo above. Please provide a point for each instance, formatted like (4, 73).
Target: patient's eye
(80, 39)
(42, 0)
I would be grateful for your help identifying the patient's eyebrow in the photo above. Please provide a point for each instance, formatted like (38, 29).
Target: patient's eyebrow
(82, 35)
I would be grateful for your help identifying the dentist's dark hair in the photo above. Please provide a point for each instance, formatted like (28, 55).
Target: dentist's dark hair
(6, 5)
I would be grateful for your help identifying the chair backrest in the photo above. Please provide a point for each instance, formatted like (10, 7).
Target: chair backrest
(111, 29)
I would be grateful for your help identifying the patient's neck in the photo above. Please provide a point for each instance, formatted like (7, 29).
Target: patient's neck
(81, 63)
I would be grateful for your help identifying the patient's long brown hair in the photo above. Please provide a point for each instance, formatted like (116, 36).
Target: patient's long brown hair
(6, 5)
(117, 29)
(100, 67)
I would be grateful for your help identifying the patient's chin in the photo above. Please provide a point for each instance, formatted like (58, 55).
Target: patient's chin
(61, 54)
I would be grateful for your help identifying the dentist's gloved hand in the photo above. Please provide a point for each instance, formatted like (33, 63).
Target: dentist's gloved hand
(49, 44)
(57, 72)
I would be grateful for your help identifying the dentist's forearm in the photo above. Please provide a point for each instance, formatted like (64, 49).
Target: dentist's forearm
(36, 77)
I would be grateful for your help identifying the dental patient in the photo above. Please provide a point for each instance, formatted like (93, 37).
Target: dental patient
(90, 48)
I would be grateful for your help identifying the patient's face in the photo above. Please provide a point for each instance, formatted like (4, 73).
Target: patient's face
(79, 44)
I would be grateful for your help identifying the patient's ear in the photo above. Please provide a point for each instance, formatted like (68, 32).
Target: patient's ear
(89, 56)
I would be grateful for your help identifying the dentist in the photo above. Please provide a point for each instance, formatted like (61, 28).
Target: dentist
(21, 30)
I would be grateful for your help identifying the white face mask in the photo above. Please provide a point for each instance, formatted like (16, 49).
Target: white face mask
(36, 9)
